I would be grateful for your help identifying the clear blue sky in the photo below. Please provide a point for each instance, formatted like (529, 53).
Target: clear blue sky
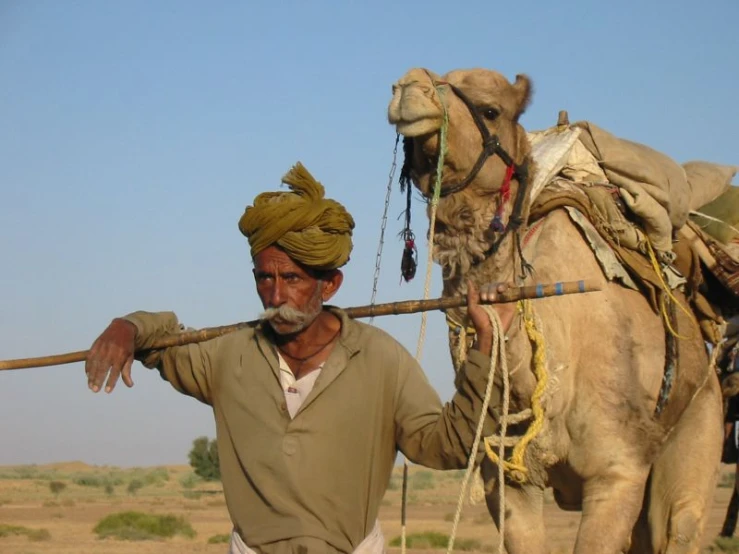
(133, 134)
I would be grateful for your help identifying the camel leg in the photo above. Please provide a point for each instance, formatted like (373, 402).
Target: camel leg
(684, 476)
(524, 513)
(611, 506)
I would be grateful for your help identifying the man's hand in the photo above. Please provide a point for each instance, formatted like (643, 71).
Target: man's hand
(112, 351)
(480, 319)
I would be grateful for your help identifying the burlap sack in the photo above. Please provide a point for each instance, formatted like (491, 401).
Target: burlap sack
(639, 168)
(707, 181)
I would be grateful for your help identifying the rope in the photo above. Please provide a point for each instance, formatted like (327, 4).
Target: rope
(668, 292)
(498, 353)
(516, 466)
(427, 286)
(715, 219)
(432, 225)
(501, 451)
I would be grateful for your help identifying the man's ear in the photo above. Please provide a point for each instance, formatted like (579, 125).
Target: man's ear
(331, 284)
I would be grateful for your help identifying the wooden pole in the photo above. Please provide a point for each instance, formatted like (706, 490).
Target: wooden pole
(512, 294)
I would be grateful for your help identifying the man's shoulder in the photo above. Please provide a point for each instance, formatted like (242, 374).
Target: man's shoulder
(369, 336)
(242, 338)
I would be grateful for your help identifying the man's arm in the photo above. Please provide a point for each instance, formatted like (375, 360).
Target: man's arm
(435, 435)
(441, 436)
(187, 368)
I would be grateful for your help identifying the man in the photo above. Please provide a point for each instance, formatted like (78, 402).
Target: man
(311, 407)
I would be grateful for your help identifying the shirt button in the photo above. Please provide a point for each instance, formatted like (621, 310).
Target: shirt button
(283, 407)
(289, 446)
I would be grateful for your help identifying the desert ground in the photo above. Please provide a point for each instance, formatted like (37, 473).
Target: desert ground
(35, 520)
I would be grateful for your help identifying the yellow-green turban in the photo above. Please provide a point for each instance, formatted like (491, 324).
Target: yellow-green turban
(311, 229)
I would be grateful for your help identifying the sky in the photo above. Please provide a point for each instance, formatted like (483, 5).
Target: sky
(133, 135)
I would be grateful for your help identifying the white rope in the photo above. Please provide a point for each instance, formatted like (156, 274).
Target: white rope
(498, 355)
(501, 449)
(715, 219)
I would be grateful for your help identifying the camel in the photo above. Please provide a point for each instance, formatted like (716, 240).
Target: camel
(643, 480)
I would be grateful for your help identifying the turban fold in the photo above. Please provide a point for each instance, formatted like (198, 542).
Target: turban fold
(311, 229)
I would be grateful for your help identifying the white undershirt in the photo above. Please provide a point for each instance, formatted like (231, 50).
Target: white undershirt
(296, 390)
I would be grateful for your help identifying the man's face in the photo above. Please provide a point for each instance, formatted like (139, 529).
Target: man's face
(291, 296)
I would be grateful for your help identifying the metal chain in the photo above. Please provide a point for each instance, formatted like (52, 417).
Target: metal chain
(378, 258)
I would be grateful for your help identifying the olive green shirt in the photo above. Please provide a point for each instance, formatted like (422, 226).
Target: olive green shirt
(323, 473)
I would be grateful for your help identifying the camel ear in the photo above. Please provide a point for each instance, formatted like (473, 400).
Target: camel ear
(524, 91)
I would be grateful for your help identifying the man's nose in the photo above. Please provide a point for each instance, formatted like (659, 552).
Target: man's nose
(277, 295)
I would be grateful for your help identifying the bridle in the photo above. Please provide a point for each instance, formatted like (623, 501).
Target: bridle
(490, 147)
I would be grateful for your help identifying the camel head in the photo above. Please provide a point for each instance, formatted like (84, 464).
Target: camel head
(482, 110)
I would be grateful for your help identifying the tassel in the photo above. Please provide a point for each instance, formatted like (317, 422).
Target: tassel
(409, 262)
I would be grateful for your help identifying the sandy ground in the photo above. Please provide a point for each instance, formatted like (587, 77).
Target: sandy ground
(71, 516)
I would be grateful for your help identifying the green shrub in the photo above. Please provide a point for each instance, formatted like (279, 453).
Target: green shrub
(109, 489)
(156, 476)
(431, 539)
(88, 481)
(427, 539)
(97, 480)
(396, 481)
(141, 526)
(190, 480)
(192, 495)
(134, 486)
(726, 481)
(730, 545)
(25, 472)
(35, 535)
(57, 487)
(204, 459)
(422, 480)
(220, 539)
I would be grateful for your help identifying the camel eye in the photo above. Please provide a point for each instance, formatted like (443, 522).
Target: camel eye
(490, 113)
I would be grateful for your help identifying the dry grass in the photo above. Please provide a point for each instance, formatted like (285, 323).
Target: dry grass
(29, 509)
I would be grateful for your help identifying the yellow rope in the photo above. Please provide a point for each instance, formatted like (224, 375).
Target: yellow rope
(516, 466)
(666, 288)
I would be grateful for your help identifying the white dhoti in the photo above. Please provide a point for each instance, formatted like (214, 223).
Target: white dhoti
(374, 543)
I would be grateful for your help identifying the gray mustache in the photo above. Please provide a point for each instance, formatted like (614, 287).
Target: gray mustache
(286, 313)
